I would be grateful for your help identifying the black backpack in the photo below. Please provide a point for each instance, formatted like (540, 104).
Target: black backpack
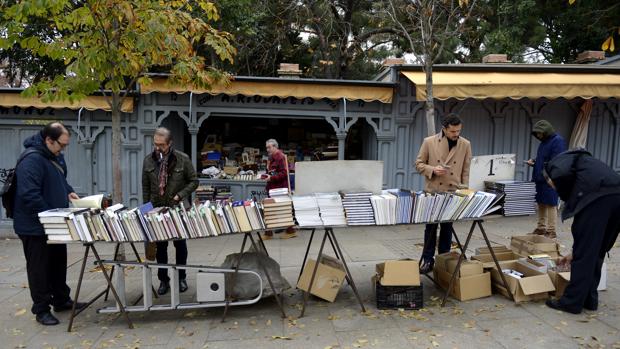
(10, 181)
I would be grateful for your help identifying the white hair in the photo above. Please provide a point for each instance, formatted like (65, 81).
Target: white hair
(272, 142)
(164, 132)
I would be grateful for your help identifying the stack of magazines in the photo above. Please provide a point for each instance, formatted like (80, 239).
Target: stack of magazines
(307, 211)
(330, 208)
(358, 209)
(519, 196)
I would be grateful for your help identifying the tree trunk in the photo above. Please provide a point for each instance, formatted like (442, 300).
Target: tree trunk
(117, 189)
(117, 173)
(429, 107)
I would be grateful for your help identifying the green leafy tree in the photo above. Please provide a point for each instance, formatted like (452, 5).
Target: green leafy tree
(431, 29)
(110, 45)
(20, 66)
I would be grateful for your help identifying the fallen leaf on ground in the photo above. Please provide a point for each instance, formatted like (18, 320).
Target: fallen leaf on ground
(20, 312)
(282, 337)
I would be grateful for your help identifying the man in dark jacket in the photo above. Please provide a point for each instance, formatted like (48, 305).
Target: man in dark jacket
(168, 177)
(42, 185)
(591, 191)
(551, 144)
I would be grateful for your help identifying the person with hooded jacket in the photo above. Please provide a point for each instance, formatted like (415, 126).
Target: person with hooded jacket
(591, 191)
(551, 144)
(41, 184)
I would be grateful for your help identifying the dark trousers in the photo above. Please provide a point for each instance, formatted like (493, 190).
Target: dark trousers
(46, 266)
(594, 229)
(162, 258)
(430, 239)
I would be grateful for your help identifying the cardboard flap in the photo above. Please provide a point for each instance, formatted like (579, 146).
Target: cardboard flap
(536, 284)
(400, 273)
(565, 275)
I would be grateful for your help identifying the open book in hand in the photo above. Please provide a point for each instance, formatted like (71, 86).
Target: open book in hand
(93, 201)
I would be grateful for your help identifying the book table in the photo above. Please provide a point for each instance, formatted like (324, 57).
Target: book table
(258, 245)
(331, 236)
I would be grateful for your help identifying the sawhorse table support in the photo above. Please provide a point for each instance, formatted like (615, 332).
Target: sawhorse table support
(329, 234)
(462, 257)
(230, 286)
(110, 286)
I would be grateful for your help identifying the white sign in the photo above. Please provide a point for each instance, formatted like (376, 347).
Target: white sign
(491, 168)
(338, 175)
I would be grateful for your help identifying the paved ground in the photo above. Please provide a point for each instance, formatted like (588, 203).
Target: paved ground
(493, 322)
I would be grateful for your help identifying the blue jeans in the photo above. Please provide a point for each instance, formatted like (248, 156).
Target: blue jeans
(430, 240)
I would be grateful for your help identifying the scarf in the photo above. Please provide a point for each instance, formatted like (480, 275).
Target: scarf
(163, 171)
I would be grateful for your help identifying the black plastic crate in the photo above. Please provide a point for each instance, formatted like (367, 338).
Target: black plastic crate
(399, 297)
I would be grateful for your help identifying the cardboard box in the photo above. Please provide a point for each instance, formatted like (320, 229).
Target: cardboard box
(497, 249)
(471, 283)
(561, 279)
(533, 264)
(534, 244)
(468, 268)
(329, 278)
(532, 287)
(465, 288)
(441, 260)
(487, 259)
(448, 261)
(399, 273)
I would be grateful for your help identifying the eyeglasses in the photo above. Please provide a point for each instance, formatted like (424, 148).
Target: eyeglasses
(62, 145)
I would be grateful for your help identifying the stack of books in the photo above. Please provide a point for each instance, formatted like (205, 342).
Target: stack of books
(278, 192)
(56, 224)
(519, 196)
(331, 209)
(278, 212)
(384, 207)
(307, 211)
(205, 192)
(404, 205)
(222, 192)
(358, 208)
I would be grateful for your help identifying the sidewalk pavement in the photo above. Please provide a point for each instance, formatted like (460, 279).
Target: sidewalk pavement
(493, 322)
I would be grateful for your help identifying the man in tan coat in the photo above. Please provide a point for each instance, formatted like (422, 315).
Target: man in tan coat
(444, 161)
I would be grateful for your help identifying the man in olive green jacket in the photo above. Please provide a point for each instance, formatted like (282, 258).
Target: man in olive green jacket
(168, 177)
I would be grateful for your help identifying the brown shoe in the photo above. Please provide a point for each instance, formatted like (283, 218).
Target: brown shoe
(551, 235)
(288, 235)
(539, 231)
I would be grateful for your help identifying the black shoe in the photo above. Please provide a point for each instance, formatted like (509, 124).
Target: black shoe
(427, 266)
(164, 287)
(555, 304)
(47, 319)
(590, 306)
(69, 305)
(183, 286)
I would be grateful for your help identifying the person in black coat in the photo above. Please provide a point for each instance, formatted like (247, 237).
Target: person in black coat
(42, 185)
(591, 192)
